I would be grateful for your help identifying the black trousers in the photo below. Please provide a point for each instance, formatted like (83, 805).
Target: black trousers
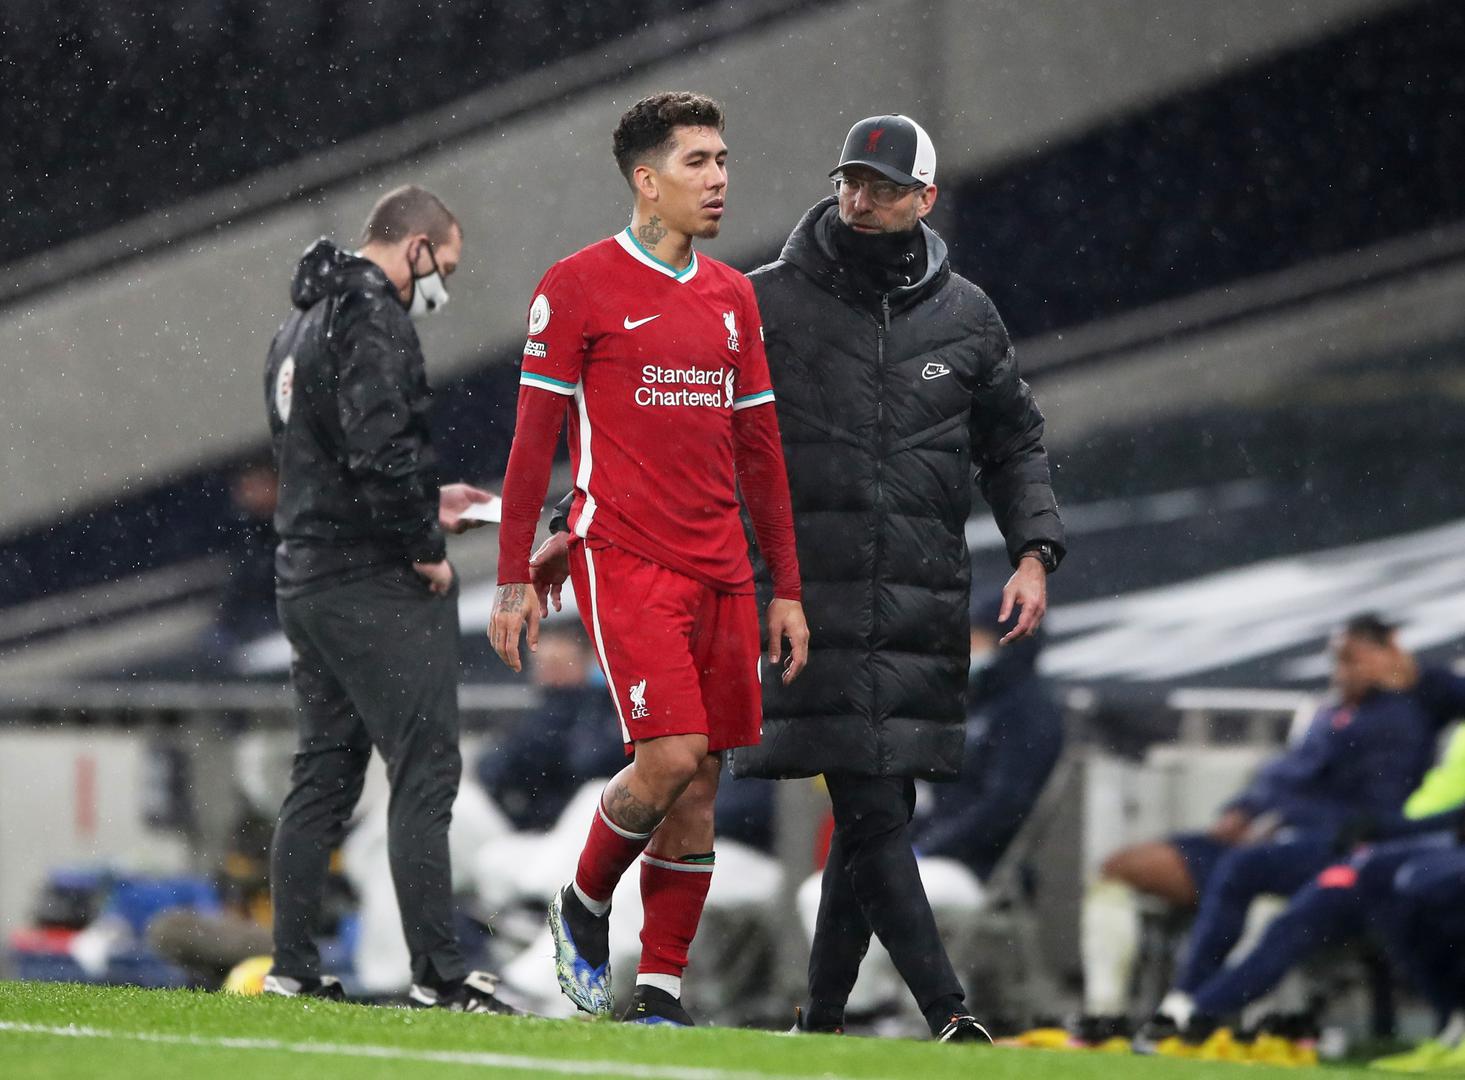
(871, 884)
(375, 665)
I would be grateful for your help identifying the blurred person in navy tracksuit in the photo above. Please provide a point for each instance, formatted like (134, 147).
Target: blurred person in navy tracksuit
(1014, 735)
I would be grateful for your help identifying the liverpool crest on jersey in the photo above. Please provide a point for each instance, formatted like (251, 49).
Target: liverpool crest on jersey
(730, 321)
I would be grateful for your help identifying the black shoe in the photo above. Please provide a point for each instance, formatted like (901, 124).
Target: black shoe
(962, 1028)
(1162, 1027)
(475, 994)
(1296, 1027)
(1091, 1029)
(653, 1005)
(1199, 1028)
(326, 988)
(803, 1027)
(1153, 1032)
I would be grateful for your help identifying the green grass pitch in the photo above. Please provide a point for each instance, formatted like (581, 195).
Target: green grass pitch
(58, 1031)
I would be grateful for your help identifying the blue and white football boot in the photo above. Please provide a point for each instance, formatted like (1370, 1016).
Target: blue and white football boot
(581, 952)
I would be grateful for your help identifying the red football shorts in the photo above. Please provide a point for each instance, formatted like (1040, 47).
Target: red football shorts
(680, 657)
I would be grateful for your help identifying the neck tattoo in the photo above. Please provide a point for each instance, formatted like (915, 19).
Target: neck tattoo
(652, 233)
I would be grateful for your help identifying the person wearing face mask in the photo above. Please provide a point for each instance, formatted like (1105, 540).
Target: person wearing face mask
(366, 594)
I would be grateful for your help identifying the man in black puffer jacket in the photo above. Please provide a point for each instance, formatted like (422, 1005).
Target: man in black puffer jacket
(896, 386)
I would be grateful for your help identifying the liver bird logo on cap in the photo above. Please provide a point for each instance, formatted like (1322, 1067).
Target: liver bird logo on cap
(872, 141)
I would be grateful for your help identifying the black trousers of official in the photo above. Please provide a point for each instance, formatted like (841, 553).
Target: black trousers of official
(871, 884)
(375, 664)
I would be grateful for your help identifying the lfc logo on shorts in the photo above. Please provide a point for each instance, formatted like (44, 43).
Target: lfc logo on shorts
(638, 701)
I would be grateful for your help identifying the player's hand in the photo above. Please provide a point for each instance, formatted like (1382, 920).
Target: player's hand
(513, 613)
(1026, 590)
(786, 620)
(548, 568)
(1394, 669)
(452, 500)
(439, 575)
(1231, 827)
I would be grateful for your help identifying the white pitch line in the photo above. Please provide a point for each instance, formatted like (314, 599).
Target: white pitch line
(522, 1063)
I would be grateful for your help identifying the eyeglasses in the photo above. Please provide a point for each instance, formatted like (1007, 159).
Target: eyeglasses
(879, 192)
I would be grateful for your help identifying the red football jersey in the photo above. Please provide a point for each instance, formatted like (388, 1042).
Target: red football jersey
(656, 361)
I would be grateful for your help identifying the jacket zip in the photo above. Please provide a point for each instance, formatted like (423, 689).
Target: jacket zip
(881, 329)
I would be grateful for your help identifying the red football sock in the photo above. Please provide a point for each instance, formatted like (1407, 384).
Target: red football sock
(672, 894)
(609, 850)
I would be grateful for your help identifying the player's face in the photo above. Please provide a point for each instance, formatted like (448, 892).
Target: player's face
(1359, 665)
(692, 183)
(559, 662)
(870, 203)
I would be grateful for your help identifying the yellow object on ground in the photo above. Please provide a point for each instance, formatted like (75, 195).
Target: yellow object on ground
(248, 976)
(1221, 1045)
(1452, 1061)
(1044, 1038)
(1175, 1047)
(1420, 1059)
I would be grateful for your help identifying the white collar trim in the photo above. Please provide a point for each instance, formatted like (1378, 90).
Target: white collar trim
(633, 248)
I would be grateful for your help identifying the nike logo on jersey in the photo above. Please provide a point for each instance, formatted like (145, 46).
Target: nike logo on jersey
(629, 325)
(934, 371)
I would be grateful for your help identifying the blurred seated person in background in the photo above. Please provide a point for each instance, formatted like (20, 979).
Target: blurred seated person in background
(1014, 734)
(1356, 895)
(247, 601)
(745, 809)
(1424, 931)
(545, 758)
(209, 942)
(1366, 749)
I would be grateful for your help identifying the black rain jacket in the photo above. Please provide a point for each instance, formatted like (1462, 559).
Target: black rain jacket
(889, 408)
(347, 397)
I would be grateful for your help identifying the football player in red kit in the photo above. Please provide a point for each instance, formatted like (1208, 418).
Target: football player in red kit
(656, 354)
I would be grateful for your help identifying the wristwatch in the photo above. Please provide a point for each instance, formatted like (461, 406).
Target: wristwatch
(1045, 552)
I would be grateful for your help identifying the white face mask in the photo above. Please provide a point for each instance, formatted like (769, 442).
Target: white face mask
(429, 294)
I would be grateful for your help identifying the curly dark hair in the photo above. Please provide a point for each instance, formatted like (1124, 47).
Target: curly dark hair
(646, 128)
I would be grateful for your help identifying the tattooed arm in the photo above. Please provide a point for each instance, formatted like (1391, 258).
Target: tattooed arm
(541, 415)
(515, 610)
